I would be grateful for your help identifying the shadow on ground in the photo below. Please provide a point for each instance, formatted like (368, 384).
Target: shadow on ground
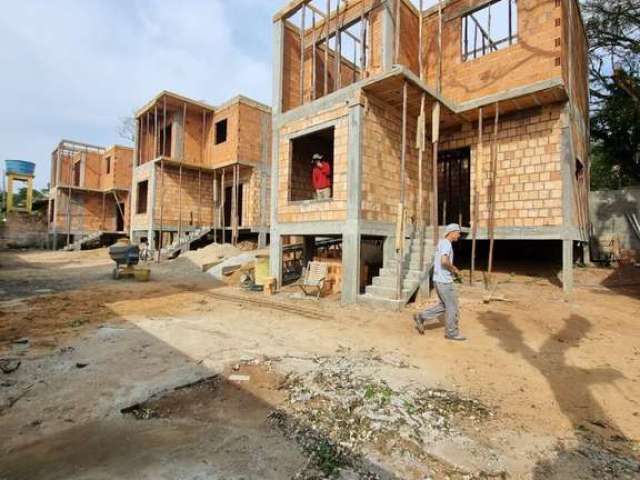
(601, 447)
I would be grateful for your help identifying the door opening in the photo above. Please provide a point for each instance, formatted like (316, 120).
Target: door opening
(454, 186)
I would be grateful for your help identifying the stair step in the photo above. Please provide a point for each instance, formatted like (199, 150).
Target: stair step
(371, 301)
(390, 282)
(386, 292)
(393, 273)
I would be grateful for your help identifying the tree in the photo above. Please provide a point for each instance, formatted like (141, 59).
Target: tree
(127, 129)
(613, 29)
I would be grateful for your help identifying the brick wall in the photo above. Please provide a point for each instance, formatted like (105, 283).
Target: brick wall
(89, 211)
(24, 230)
(535, 57)
(528, 180)
(382, 145)
(190, 205)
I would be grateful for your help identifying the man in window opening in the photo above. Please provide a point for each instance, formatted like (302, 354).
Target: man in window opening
(321, 177)
(443, 277)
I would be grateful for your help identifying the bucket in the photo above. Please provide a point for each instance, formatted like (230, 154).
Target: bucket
(262, 269)
(141, 274)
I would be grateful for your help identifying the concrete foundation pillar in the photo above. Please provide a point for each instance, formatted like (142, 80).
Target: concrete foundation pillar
(275, 257)
(567, 266)
(350, 267)
(262, 239)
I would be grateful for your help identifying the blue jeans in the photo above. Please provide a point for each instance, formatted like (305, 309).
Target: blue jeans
(448, 304)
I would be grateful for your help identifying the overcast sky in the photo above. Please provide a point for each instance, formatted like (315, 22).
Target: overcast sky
(73, 68)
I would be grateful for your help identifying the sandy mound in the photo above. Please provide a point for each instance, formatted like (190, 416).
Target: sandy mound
(211, 253)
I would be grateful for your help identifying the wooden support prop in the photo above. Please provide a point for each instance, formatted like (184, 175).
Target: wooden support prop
(492, 192)
(401, 221)
(326, 49)
(363, 44)
(182, 133)
(214, 204)
(115, 196)
(313, 57)
(439, 80)
(69, 182)
(155, 132)
(420, 39)
(223, 202)
(161, 235)
(477, 184)
(396, 55)
(420, 143)
(435, 138)
(337, 70)
(302, 29)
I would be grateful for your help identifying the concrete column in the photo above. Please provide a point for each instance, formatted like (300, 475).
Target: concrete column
(151, 204)
(351, 229)
(177, 134)
(388, 34)
(567, 266)
(275, 257)
(278, 37)
(350, 267)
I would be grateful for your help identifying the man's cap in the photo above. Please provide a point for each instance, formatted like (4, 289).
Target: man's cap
(317, 156)
(452, 227)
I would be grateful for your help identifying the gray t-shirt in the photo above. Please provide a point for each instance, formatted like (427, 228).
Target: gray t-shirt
(441, 274)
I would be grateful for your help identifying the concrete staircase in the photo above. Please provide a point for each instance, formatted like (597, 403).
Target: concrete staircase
(382, 293)
(78, 244)
(183, 244)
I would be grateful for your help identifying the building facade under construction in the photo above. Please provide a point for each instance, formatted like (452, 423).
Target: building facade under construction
(466, 111)
(89, 193)
(200, 171)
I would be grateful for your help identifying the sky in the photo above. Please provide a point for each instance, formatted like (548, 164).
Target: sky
(72, 69)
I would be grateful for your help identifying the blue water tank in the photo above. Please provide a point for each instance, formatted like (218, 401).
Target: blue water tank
(20, 167)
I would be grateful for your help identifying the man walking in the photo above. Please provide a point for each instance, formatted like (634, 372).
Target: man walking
(443, 275)
(321, 177)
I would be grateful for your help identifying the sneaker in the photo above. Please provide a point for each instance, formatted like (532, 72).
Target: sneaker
(419, 323)
(457, 338)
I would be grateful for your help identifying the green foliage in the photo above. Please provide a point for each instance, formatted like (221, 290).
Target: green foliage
(613, 30)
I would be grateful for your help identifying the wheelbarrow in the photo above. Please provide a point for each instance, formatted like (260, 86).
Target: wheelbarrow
(127, 257)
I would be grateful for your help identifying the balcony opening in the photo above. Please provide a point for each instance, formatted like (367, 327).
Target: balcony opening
(454, 187)
(143, 191)
(490, 28)
(302, 185)
(164, 145)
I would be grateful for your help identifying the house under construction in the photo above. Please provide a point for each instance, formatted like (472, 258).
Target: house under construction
(200, 170)
(468, 111)
(89, 194)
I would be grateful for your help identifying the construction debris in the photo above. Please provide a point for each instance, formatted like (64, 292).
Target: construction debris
(9, 365)
(338, 417)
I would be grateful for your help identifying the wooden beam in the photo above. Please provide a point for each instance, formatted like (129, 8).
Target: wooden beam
(477, 183)
(304, 11)
(435, 138)
(492, 193)
(326, 53)
(401, 209)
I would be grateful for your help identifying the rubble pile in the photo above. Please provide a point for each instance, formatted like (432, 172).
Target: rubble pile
(339, 417)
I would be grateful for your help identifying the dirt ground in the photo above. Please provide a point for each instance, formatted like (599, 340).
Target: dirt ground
(561, 377)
